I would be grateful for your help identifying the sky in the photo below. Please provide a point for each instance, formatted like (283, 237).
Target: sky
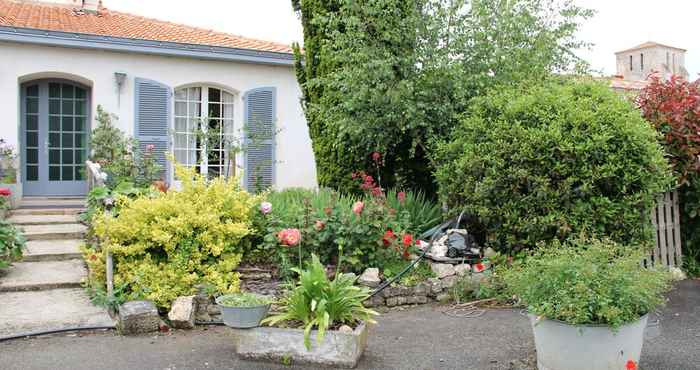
(617, 25)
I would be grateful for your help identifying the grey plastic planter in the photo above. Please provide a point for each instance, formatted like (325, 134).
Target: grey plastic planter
(561, 346)
(338, 349)
(243, 317)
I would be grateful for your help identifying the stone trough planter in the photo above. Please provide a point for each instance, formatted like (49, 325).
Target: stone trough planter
(338, 349)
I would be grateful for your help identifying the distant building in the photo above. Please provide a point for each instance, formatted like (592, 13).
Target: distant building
(635, 65)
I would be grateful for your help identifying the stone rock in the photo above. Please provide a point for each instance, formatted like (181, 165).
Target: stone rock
(417, 300)
(393, 301)
(443, 297)
(375, 301)
(391, 291)
(213, 309)
(370, 278)
(442, 270)
(405, 291)
(351, 275)
(421, 289)
(490, 253)
(677, 274)
(462, 269)
(137, 317)
(400, 301)
(182, 313)
(449, 281)
(435, 286)
(345, 329)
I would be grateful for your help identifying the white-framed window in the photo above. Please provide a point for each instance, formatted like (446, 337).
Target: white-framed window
(204, 130)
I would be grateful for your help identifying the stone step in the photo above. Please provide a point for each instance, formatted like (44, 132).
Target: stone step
(54, 232)
(46, 211)
(52, 203)
(25, 312)
(32, 276)
(43, 219)
(52, 250)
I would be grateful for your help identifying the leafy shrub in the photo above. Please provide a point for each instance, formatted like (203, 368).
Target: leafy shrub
(588, 281)
(8, 172)
(11, 243)
(166, 243)
(243, 300)
(317, 302)
(121, 157)
(546, 162)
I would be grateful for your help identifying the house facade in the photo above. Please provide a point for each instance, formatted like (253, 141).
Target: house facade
(167, 84)
(635, 65)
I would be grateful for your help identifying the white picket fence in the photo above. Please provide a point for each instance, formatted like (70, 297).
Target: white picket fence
(666, 219)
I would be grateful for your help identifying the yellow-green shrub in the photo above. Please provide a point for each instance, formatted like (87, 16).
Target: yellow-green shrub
(165, 244)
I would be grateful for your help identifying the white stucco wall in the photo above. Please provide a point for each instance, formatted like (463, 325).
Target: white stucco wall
(295, 165)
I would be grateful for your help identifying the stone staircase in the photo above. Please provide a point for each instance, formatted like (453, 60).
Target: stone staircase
(43, 291)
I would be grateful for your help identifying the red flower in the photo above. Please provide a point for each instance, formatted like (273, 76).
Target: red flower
(388, 238)
(319, 225)
(479, 267)
(407, 240)
(5, 192)
(376, 157)
(631, 365)
(289, 237)
(402, 197)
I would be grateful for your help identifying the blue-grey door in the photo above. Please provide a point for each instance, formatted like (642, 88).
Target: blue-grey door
(55, 129)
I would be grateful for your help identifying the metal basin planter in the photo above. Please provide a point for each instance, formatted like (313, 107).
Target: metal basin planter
(338, 349)
(243, 317)
(561, 346)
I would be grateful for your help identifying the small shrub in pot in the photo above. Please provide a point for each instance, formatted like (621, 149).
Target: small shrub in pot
(593, 292)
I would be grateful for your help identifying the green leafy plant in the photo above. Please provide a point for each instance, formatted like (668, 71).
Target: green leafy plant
(100, 297)
(420, 273)
(319, 303)
(243, 299)
(8, 156)
(547, 161)
(11, 243)
(588, 281)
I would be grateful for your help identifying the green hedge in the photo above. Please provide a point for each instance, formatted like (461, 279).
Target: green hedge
(543, 162)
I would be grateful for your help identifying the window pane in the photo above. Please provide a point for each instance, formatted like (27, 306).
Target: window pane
(214, 95)
(54, 140)
(79, 156)
(80, 93)
(67, 123)
(180, 141)
(195, 109)
(32, 156)
(54, 173)
(181, 94)
(67, 140)
(32, 123)
(80, 124)
(55, 123)
(79, 173)
(54, 106)
(215, 110)
(32, 105)
(54, 90)
(32, 173)
(181, 109)
(228, 111)
(79, 140)
(67, 173)
(33, 90)
(67, 107)
(181, 124)
(228, 98)
(54, 156)
(32, 139)
(194, 93)
(67, 92)
(67, 156)
(79, 107)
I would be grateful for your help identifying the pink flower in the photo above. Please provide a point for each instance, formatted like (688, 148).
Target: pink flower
(265, 207)
(402, 197)
(5, 192)
(358, 207)
(319, 225)
(376, 157)
(289, 237)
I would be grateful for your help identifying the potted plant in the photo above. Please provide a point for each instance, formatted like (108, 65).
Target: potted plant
(321, 321)
(588, 301)
(243, 310)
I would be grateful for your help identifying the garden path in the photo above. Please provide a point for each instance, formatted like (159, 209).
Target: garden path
(43, 292)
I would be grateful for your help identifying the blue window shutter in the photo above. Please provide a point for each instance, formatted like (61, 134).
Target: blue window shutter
(260, 115)
(153, 118)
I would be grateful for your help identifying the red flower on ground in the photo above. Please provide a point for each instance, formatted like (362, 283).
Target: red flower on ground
(407, 240)
(631, 365)
(5, 192)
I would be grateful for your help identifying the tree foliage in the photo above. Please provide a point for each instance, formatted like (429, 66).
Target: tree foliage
(390, 76)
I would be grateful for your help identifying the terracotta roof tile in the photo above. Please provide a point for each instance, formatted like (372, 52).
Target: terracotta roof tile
(55, 17)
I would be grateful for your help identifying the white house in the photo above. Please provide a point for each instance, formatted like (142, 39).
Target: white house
(62, 58)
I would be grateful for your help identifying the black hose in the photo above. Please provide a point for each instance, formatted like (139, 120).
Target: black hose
(56, 331)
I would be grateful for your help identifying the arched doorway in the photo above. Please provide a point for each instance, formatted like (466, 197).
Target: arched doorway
(55, 126)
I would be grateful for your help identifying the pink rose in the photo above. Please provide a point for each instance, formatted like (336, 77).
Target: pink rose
(265, 207)
(319, 225)
(358, 207)
(289, 237)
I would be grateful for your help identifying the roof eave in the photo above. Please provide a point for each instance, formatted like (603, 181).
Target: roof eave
(139, 46)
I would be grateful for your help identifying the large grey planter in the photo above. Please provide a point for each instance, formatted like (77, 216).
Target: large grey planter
(243, 317)
(561, 346)
(338, 349)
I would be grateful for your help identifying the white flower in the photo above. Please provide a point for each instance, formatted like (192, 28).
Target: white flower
(265, 207)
